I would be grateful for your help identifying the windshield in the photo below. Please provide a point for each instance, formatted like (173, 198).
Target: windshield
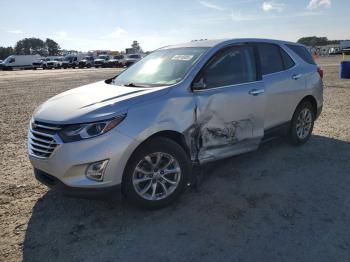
(102, 57)
(162, 67)
(7, 59)
(133, 56)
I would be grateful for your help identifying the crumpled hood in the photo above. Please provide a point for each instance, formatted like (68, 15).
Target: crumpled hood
(93, 102)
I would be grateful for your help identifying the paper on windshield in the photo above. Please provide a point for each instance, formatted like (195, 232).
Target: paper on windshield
(182, 57)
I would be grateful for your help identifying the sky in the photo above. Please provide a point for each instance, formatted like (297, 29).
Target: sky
(112, 24)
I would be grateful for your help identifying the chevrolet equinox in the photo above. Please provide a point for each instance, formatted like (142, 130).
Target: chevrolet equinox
(144, 130)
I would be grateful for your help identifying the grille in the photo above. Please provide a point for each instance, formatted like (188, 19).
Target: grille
(42, 139)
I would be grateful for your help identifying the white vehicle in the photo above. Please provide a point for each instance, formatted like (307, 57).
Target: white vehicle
(116, 61)
(88, 62)
(19, 61)
(102, 61)
(53, 62)
(131, 59)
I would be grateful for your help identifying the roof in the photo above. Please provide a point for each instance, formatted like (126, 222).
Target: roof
(214, 42)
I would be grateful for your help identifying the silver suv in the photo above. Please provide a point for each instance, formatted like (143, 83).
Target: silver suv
(148, 129)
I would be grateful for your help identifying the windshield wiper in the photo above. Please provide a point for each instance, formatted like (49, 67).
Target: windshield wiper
(135, 85)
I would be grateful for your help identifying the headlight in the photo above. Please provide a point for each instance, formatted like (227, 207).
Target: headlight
(78, 132)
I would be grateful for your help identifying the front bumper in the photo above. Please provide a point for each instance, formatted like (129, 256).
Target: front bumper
(69, 161)
(53, 182)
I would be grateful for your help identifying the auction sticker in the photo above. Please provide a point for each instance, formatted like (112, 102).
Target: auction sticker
(182, 57)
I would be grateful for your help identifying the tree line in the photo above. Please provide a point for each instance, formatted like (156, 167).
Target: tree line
(32, 46)
(317, 41)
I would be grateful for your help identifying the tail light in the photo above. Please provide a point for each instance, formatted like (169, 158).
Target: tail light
(320, 72)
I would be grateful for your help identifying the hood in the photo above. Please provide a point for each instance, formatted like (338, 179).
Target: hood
(93, 102)
(99, 60)
(132, 59)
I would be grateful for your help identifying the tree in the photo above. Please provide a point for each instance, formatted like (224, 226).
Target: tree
(52, 47)
(29, 46)
(316, 41)
(5, 52)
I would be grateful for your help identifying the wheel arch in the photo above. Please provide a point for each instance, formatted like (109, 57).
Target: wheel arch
(312, 100)
(175, 136)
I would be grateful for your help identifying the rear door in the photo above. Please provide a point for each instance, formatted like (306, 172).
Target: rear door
(284, 84)
(230, 107)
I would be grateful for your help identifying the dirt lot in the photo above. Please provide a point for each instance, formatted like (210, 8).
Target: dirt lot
(280, 203)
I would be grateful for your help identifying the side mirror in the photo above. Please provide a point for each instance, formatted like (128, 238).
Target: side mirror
(199, 85)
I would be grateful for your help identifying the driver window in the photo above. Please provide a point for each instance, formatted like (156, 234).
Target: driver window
(234, 65)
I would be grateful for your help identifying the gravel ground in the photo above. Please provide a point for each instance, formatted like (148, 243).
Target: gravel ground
(279, 203)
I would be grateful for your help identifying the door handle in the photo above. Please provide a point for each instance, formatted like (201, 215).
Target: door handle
(255, 92)
(296, 77)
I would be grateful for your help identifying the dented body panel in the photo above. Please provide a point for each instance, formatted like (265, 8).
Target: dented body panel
(214, 123)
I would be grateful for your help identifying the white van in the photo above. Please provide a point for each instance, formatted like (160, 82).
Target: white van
(19, 61)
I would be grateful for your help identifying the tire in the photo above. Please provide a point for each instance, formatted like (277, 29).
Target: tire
(303, 119)
(175, 182)
(88, 65)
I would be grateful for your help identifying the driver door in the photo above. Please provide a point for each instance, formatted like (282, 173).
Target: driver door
(230, 103)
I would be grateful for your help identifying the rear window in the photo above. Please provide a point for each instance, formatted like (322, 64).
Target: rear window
(270, 58)
(303, 53)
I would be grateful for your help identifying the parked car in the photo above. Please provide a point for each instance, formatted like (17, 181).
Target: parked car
(88, 62)
(53, 62)
(131, 59)
(148, 129)
(71, 61)
(18, 61)
(116, 61)
(101, 61)
(38, 63)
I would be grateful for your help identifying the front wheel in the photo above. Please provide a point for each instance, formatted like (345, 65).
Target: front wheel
(302, 124)
(156, 174)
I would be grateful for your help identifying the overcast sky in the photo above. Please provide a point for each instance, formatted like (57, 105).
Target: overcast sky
(112, 24)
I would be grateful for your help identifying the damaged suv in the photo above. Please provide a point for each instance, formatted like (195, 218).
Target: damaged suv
(146, 130)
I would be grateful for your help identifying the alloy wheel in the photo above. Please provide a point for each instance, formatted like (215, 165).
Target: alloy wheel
(156, 176)
(304, 123)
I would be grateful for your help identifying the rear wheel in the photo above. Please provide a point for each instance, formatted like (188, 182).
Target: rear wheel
(302, 124)
(156, 174)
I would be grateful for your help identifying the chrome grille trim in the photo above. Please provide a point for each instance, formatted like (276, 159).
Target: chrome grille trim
(48, 127)
(48, 147)
(43, 139)
(41, 134)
